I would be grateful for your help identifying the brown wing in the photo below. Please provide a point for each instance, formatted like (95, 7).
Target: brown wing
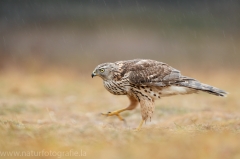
(152, 73)
(123, 67)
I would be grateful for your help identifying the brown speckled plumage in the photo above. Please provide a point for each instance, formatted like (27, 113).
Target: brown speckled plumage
(146, 80)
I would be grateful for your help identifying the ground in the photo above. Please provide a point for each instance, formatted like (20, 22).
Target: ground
(57, 113)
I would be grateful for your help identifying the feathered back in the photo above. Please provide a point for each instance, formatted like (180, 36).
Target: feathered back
(153, 73)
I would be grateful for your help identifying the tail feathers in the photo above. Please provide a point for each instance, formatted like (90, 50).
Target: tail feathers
(192, 83)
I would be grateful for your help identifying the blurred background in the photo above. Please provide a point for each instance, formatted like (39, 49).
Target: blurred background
(78, 35)
(48, 101)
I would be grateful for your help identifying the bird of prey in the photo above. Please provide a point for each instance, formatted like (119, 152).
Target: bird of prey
(145, 81)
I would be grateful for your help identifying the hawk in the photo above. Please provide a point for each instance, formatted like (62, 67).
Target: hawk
(145, 81)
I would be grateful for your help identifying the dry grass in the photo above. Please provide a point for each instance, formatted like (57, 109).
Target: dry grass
(59, 111)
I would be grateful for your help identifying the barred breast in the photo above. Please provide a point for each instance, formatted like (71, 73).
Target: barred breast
(115, 87)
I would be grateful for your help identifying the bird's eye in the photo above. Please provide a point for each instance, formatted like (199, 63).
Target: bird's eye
(102, 70)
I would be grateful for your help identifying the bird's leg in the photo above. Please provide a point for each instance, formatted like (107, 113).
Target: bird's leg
(139, 126)
(147, 108)
(133, 104)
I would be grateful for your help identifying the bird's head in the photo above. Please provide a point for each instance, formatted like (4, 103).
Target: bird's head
(104, 71)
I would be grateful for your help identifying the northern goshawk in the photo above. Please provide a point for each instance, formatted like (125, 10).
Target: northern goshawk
(144, 81)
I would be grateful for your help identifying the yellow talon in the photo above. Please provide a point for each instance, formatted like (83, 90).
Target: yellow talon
(139, 126)
(114, 113)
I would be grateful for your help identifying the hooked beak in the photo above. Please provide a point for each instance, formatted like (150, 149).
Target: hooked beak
(93, 74)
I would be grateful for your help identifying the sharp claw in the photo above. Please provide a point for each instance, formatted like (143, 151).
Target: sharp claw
(119, 117)
(103, 114)
(125, 122)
